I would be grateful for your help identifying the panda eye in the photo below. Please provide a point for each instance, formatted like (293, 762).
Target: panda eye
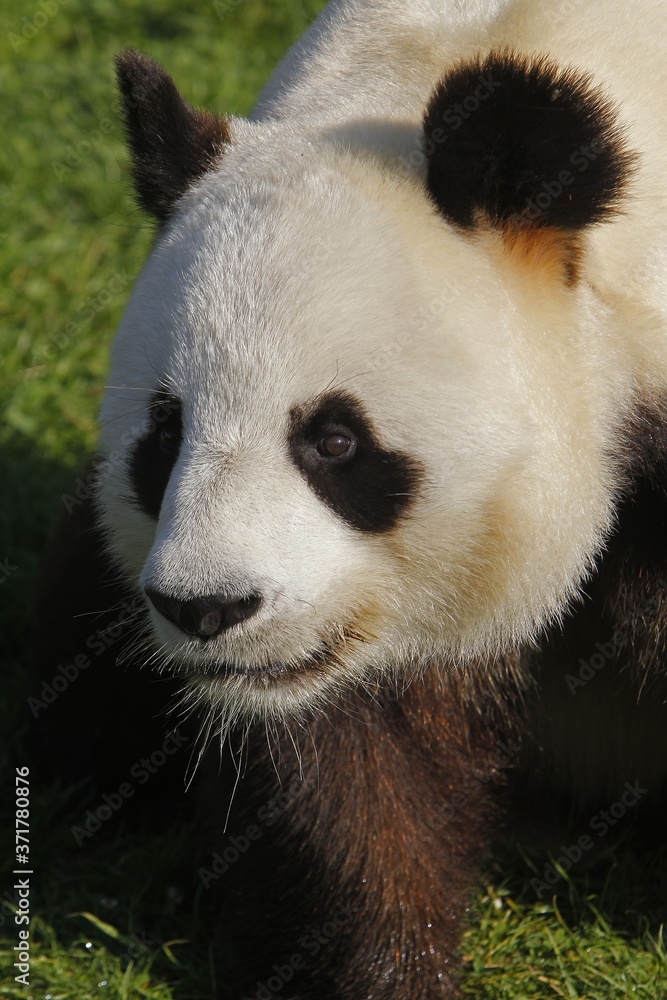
(169, 440)
(168, 429)
(156, 452)
(338, 444)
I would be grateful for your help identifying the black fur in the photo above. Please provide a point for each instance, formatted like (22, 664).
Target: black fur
(520, 141)
(172, 144)
(155, 454)
(91, 719)
(373, 487)
(614, 641)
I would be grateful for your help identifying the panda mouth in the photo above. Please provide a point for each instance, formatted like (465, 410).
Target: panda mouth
(276, 669)
(331, 652)
(227, 669)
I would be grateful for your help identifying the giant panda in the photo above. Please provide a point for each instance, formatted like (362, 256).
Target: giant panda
(382, 457)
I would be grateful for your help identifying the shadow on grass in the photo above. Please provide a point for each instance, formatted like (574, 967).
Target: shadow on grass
(627, 881)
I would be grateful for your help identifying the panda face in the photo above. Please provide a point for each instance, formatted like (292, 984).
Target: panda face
(337, 443)
(267, 471)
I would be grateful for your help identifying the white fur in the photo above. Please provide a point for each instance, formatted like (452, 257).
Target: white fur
(312, 258)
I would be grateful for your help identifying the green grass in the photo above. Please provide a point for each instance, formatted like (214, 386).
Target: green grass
(598, 937)
(72, 242)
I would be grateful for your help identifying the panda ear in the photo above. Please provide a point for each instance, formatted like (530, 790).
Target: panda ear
(171, 143)
(526, 148)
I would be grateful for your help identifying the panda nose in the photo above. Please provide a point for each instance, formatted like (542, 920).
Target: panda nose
(204, 616)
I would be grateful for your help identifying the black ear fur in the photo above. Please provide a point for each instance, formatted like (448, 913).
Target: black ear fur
(171, 143)
(520, 142)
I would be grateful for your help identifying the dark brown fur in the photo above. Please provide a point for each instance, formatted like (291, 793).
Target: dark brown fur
(388, 811)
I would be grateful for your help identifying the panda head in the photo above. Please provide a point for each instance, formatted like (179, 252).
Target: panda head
(345, 435)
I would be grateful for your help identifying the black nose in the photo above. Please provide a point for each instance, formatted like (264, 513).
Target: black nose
(204, 616)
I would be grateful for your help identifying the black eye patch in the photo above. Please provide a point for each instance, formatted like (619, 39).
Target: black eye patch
(367, 485)
(155, 453)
